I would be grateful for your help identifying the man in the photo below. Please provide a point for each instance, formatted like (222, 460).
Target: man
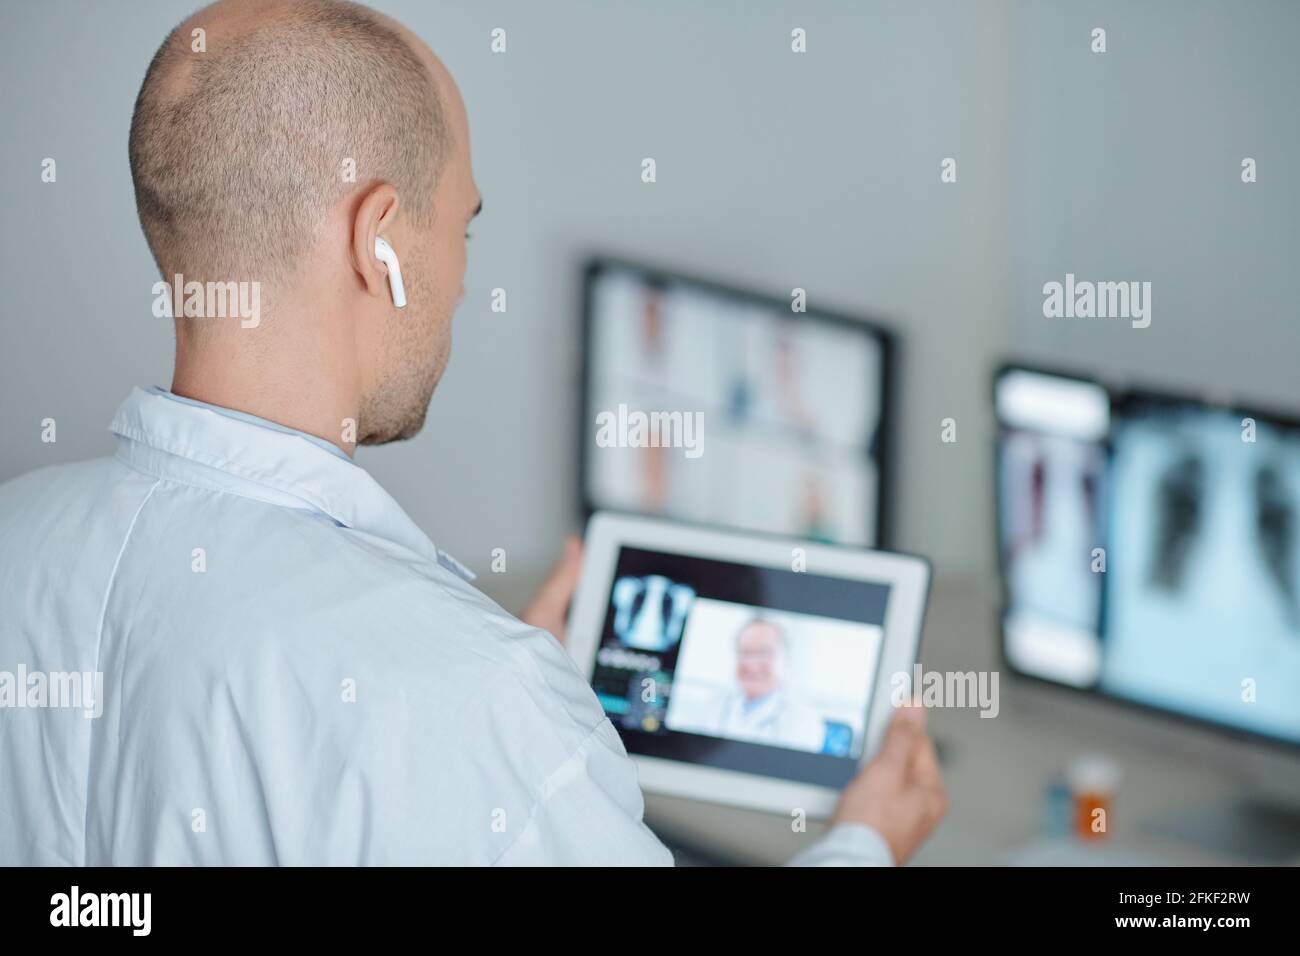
(761, 708)
(292, 672)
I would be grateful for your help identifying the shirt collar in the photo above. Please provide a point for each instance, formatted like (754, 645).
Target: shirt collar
(245, 417)
(195, 444)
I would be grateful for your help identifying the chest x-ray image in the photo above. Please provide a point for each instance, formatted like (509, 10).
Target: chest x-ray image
(1202, 603)
(1053, 519)
(1052, 514)
(650, 611)
(1180, 506)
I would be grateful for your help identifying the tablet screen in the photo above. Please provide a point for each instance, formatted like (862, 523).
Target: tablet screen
(754, 669)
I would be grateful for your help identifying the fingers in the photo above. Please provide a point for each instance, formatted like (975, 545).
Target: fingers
(925, 779)
(901, 738)
(925, 765)
(915, 713)
(909, 752)
(564, 576)
(553, 596)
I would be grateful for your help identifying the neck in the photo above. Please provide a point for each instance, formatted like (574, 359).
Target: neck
(296, 384)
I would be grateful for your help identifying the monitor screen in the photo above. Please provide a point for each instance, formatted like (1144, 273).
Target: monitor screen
(1149, 550)
(1052, 477)
(755, 669)
(1201, 612)
(713, 405)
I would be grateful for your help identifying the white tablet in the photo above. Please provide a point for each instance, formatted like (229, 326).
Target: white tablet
(742, 669)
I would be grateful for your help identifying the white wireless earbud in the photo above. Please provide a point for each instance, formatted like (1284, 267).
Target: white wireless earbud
(385, 254)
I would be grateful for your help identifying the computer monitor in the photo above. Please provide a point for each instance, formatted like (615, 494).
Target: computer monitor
(1148, 546)
(789, 406)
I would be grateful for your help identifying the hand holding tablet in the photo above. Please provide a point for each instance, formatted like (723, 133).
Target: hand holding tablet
(742, 669)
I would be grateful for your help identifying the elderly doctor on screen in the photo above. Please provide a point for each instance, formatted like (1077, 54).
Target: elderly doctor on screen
(761, 708)
(293, 673)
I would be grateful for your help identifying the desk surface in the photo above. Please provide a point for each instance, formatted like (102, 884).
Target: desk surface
(996, 770)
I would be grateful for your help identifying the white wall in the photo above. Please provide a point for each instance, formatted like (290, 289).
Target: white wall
(1128, 166)
(775, 170)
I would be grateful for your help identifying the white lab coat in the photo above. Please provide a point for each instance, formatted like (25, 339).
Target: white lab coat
(291, 672)
(776, 719)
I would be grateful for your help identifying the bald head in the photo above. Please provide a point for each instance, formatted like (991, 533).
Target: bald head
(245, 137)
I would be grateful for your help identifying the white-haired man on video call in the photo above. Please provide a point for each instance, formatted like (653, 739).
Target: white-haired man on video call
(760, 707)
(292, 672)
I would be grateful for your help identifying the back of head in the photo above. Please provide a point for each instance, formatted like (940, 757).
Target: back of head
(247, 132)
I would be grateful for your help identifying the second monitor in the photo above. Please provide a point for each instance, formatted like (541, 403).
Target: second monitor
(786, 409)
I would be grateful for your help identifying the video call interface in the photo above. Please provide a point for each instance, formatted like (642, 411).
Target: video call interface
(758, 670)
(791, 406)
(1150, 550)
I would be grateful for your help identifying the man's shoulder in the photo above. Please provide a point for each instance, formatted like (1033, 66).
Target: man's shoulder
(419, 676)
(54, 481)
(295, 621)
(69, 508)
(437, 630)
(294, 592)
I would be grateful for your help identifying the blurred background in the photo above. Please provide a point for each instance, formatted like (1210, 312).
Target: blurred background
(778, 170)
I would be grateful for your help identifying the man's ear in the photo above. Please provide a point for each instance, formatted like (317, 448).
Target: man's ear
(375, 214)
